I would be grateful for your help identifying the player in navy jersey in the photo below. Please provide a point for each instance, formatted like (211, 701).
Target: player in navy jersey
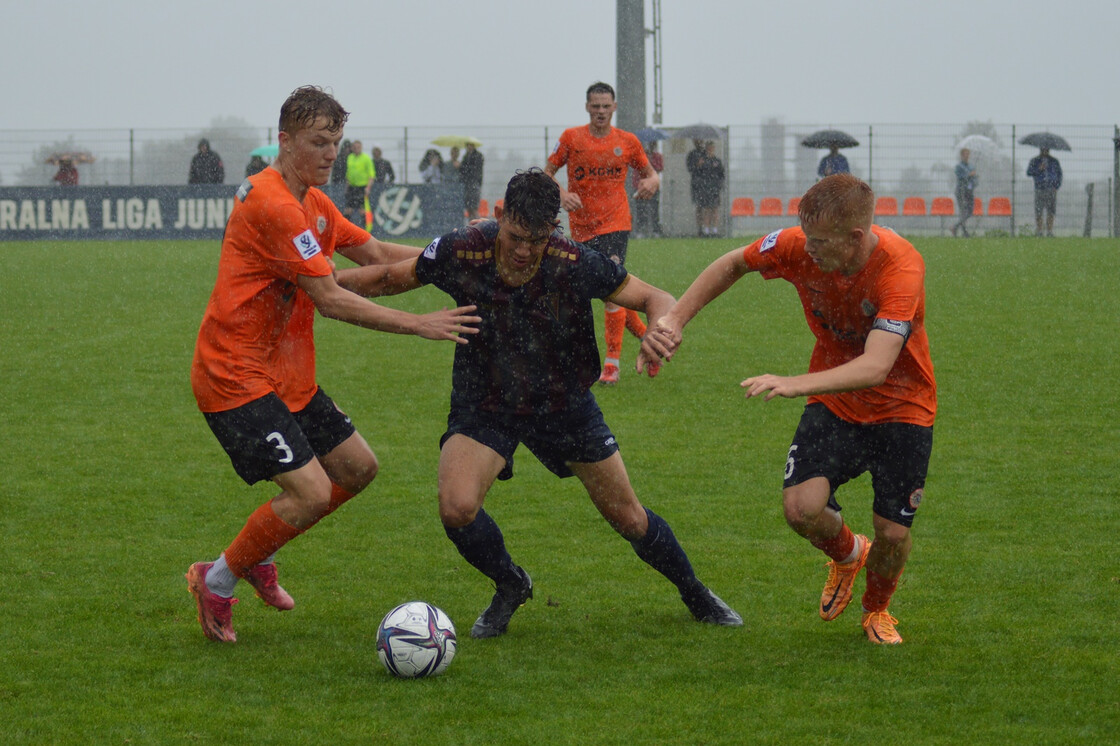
(526, 377)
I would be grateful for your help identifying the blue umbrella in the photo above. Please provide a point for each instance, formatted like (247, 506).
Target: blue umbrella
(266, 151)
(650, 134)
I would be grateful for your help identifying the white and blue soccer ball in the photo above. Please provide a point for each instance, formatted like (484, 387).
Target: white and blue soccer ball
(416, 639)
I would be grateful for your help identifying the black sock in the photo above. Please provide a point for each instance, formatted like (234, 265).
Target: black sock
(661, 551)
(481, 544)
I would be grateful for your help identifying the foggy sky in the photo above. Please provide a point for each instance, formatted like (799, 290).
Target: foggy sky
(67, 64)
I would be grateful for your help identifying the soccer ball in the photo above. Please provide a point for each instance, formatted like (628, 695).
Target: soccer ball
(416, 639)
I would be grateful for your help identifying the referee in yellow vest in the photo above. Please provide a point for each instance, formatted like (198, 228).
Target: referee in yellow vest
(359, 175)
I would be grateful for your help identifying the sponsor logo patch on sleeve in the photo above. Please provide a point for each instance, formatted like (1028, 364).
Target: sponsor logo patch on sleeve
(901, 328)
(306, 244)
(770, 241)
(430, 252)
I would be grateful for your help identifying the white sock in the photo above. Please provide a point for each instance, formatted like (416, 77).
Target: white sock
(856, 547)
(220, 579)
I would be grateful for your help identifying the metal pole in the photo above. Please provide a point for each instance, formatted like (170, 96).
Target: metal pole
(630, 64)
(131, 156)
(407, 171)
(1115, 206)
(870, 158)
(1013, 181)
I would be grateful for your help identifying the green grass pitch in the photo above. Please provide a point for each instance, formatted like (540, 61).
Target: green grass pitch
(112, 485)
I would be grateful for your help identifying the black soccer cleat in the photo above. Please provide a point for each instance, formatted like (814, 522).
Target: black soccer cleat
(507, 599)
(709, 608)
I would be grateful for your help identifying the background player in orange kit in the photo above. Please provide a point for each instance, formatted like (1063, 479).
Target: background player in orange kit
(597, 157)
(253, 373)
(870, 387)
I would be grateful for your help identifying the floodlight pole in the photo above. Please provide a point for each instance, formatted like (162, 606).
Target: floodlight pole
(1115, 181)
(630, 64)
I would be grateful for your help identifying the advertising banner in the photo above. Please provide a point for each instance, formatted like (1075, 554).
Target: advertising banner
(200, 211)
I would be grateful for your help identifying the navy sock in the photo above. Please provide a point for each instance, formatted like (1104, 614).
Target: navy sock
(660, 549)
(482, 545)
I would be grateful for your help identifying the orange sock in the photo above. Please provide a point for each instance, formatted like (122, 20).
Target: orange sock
(634, 324)
(879, 591)
(614, 328)
(839, 547)
(263, 535)
(338, 497)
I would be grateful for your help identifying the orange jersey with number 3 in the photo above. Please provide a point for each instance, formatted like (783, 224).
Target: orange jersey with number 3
(841, 311)
(597, 168)
(257, 334)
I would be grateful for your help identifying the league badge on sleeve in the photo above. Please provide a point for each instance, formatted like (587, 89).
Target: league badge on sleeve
(770, 241)
(430, 252)
(306, 244)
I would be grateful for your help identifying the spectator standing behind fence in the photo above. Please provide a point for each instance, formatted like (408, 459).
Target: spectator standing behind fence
(1047, 174)
(707, 183)
(338, 170)
(431, 167)
(470, 173)
(359, 175)
(67, 173)
(206, 166)
(451, 168)
(966, 185)
(647, 212)
(833, 163)
(383, 170)
(255, 166)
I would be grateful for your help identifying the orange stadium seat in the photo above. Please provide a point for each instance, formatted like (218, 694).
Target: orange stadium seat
(483, 208)
(794, 203)
(914, 206)
(742, 207)
(999, 206)
(886, 206)
(978, 207)
(942, 206)
(770, 206)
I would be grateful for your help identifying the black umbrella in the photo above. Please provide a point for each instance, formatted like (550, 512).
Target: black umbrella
(830, 139)
(1045, 140)
(700, 131)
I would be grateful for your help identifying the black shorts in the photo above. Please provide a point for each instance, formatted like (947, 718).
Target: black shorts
(612, 245)
(472, 193)
(896, 454)
(576, 435)
(355, 197)
(263, 438)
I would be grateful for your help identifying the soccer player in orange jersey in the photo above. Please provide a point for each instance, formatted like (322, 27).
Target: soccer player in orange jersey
(597, 157)
(870, 387)
(253, 373)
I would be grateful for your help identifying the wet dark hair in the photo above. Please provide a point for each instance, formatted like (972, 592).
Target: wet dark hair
(533, 200)
(599, 87)
(307, 104)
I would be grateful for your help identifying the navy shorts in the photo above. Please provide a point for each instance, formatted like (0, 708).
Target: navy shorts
(896, 454)
(612, 245)
(576, 435)
(355, 197)
(1045, 200)
(263, 438)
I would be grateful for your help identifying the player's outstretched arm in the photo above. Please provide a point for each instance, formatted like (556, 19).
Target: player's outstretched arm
(376, 251)
(336, 302)
(868, 370)
(708, 285)
(654, 302)
(374, 280)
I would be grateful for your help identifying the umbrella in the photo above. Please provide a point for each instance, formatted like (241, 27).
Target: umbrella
(266, 151)
(1047, 140)
(700, 131)
(457, 141)
(75, 157)
(980, 145)
(650, 134)
(830, 139)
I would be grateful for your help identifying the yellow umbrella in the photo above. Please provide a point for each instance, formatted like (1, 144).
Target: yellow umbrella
(457, 141)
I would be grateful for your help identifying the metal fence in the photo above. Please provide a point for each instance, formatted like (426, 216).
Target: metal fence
(764, 160)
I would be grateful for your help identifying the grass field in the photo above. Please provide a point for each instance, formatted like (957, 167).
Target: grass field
(112, 485)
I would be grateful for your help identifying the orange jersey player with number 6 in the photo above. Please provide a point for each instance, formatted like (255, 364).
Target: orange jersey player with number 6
(253, 373)
(870, 386)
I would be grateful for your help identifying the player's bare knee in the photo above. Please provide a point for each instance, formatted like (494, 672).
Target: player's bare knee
(456, 513)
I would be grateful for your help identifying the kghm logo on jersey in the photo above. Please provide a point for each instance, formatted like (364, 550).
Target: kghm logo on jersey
(578, 173)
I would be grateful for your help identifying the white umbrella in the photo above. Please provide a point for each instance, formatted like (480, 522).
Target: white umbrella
(979, 145)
